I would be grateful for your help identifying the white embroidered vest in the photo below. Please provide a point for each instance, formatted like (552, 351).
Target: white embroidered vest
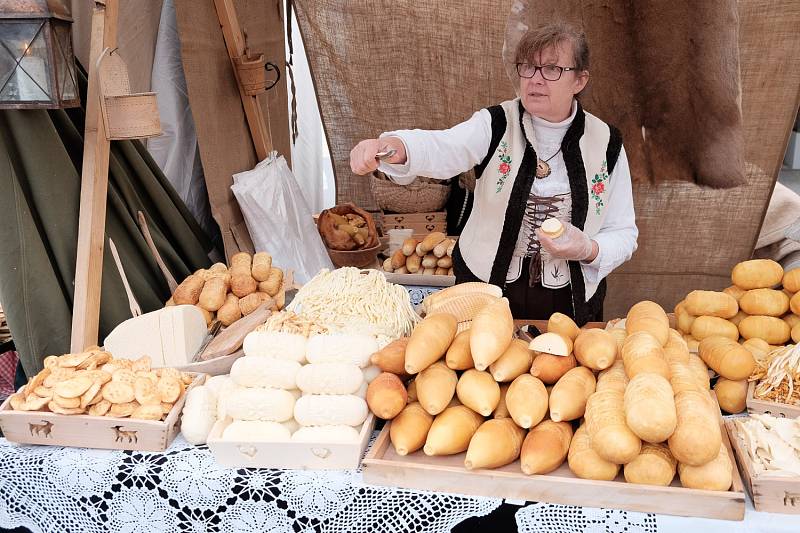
(480, 240)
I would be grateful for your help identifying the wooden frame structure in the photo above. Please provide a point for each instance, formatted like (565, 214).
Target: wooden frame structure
(94, 188)
(237, 48)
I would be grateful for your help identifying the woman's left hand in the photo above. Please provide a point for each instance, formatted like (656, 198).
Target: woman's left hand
(572, 245)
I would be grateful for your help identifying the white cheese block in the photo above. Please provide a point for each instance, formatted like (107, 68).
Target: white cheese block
(249, 371)
(277, 344)
(255, 431)
(201, 399)
(170, 336)
(216, 383)
(330, 410)
(325, 434)
(196, 425)
(371, 372)
(272, 405)
(224, 393)
(341, 348)
(329, 378)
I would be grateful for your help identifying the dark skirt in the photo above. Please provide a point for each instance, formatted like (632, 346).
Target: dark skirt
(529, 302)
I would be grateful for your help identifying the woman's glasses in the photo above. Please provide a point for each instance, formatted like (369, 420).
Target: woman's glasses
(549, 72)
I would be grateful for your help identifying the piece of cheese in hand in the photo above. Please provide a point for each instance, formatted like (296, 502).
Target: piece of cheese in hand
(552, 343)
(553, 228)
(170, 336)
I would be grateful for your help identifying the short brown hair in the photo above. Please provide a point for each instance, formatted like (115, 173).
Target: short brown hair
(550, 36)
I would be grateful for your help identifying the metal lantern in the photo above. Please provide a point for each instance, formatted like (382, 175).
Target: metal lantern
(37, 65)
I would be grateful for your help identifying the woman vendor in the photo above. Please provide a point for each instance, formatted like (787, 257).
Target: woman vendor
(536, 157)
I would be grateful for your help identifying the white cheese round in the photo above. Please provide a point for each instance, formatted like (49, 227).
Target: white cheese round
(251, 371)
(329, 378)
(273, 405)
(330, 410)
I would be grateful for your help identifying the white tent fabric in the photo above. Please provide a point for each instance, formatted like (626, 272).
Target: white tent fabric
(176, 151)
(311, 162)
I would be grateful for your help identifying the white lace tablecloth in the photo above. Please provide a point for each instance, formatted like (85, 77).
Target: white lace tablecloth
(73, 490)
(417, 293)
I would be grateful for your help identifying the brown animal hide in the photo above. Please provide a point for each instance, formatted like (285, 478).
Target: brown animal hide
(666, 73)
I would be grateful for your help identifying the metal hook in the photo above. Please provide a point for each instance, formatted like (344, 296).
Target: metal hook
(269, 67)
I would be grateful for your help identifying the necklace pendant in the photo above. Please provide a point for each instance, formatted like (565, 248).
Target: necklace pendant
(542, 169)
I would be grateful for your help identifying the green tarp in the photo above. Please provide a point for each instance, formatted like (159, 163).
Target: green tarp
(40, 164)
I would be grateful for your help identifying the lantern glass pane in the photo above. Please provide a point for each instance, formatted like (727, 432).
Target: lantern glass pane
(65, 63)
(24, 62)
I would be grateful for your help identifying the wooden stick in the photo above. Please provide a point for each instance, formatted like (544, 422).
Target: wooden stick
(94, 189)
(134, 305)
(153, 250)
(234, 41)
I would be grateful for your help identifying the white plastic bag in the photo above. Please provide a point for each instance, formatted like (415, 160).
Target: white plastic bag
(279, 219)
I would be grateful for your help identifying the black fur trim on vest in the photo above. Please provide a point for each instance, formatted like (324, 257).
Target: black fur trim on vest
(498, 130)
(576, 171)
(515, 210)
(573, 160)
(614, 148)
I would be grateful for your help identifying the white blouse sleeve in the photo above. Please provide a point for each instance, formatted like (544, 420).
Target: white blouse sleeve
(441, 154)
(617, 237)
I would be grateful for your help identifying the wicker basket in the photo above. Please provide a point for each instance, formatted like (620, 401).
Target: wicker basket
(125, 115)
(420, 196)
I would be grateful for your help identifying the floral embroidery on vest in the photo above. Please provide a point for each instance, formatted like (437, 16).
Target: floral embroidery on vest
(505, 165)
(599, 187)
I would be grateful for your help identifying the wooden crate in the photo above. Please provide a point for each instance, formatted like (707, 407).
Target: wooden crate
(84, 431)
(783, 410)
(291, 454)
(419, 222)
(770, 493)
(383, 466)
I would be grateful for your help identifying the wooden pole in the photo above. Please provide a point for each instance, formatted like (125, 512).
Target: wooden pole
(94, 189)
(234, 41)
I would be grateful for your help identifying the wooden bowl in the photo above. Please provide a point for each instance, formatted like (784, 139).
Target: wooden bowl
(355, 258)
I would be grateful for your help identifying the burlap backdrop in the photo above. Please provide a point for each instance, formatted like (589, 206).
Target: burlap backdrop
(384, 65)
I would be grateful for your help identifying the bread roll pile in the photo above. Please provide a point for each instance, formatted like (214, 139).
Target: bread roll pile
(228, 294)
(431, 256)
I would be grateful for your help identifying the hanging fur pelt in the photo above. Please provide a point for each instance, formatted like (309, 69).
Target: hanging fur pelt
(666, 73)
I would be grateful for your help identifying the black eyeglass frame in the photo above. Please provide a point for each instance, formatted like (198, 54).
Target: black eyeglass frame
(536, 69)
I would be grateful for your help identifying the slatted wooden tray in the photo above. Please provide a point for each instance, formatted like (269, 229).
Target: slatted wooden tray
(383, 466)
(770, 493)
(289, 454)
(783, 410)
(85, 431)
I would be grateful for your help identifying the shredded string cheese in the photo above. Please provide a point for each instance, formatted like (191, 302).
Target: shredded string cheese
(779, 376)
(353, 300)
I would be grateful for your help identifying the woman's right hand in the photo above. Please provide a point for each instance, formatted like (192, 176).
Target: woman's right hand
(363, 158)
